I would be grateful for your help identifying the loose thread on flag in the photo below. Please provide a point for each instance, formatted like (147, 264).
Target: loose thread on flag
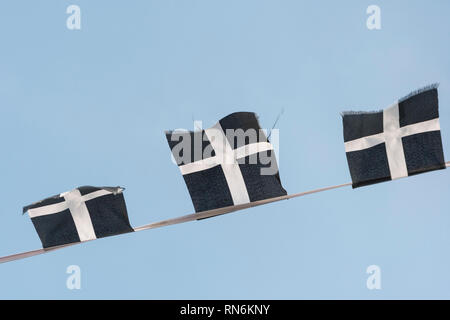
(186, 218)
(275, 123)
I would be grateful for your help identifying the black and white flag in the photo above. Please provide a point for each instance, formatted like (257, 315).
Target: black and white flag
(83, 214)
(231, 163)
(400, 141)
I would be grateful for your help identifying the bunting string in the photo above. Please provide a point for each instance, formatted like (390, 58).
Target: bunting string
(186, 218)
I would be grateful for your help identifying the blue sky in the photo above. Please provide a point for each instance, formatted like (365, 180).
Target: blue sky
(90, 106)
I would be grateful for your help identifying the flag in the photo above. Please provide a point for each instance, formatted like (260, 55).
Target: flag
(83, 214)
(400, 141)
(229, 164)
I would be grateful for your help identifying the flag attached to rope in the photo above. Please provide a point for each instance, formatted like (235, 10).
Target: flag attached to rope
(231, 163)
(400, 141)
(83, 214)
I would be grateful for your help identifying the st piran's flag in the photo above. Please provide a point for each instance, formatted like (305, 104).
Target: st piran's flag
(83, 214)
(400, 141)
(229, 164)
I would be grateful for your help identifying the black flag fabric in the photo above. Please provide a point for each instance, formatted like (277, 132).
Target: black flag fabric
(400, 141)
(85, 213)
(229, 164)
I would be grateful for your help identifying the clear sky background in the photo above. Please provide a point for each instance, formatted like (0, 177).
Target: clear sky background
(90, 106)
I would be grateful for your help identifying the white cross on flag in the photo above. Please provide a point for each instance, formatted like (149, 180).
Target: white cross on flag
(231, 163)
(400, 141)
(83, 214)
